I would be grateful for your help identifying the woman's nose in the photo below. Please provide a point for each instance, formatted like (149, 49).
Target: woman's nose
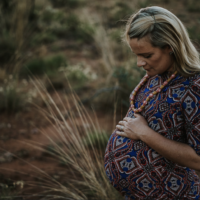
(140, 62)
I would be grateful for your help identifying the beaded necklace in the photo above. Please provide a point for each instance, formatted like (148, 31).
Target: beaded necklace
(145, 78)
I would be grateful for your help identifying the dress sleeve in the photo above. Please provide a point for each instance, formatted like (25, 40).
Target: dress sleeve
(191, 111)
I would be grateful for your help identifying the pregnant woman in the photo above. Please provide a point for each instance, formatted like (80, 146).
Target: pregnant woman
(155, 149)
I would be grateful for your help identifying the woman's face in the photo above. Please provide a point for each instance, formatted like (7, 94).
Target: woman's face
(153, 59)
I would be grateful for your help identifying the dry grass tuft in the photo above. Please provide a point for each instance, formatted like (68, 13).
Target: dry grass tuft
(78, 148)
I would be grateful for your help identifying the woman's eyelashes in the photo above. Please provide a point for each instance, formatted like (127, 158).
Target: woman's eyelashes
(147, 56)
(144, 55)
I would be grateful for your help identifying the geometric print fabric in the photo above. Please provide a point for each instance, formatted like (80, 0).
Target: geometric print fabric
(139, 172)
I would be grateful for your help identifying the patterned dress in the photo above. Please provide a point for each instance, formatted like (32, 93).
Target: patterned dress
(139, 172)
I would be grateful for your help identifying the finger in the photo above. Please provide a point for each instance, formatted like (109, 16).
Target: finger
(126, 119)
(121, 133)
(120, 127)
(123, 123)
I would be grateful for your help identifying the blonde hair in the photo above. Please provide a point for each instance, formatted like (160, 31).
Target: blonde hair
(164, 28)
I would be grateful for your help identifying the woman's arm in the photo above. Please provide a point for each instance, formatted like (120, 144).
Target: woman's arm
(177, 152)
(180, 153)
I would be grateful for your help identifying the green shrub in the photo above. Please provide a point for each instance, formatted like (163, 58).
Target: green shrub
(7, 49)
(194, 33)
(144, 3)
(116, 36)
(60, 31)
(54, 63)
(65, 3)
(43, 38)
(183, 17)
(127, 80)
(85, 33)
(12, 101)
(56, 25)
(7, 5)
(118, 95)
(34, 67)
(47, 16)
(50, 15)
(77, 78)
(72, 28)
(120, 12)
(77, 75)
(39, 66)
(193, 6)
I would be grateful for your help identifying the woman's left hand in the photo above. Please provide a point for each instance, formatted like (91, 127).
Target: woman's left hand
(132, 128)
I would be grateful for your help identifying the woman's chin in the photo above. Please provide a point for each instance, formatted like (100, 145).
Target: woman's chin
(150, 73)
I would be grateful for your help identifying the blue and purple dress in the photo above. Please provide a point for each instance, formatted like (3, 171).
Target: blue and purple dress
(139, 172)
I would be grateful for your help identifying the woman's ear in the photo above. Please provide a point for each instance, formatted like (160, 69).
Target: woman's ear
(169, 49)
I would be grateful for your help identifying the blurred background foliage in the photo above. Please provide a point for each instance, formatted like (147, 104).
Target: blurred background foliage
(40, 38)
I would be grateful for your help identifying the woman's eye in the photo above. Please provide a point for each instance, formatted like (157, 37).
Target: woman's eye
(147, 56)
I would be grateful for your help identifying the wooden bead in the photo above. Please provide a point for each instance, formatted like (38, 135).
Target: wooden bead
(151, 95)
(173, 75)
(165, 83)
(145, 102)
(140, 109)
(158, 90)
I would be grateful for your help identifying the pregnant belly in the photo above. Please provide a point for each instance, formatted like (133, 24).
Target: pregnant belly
(138, 171)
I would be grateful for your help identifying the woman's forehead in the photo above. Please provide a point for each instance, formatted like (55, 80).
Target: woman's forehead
(142, 45)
